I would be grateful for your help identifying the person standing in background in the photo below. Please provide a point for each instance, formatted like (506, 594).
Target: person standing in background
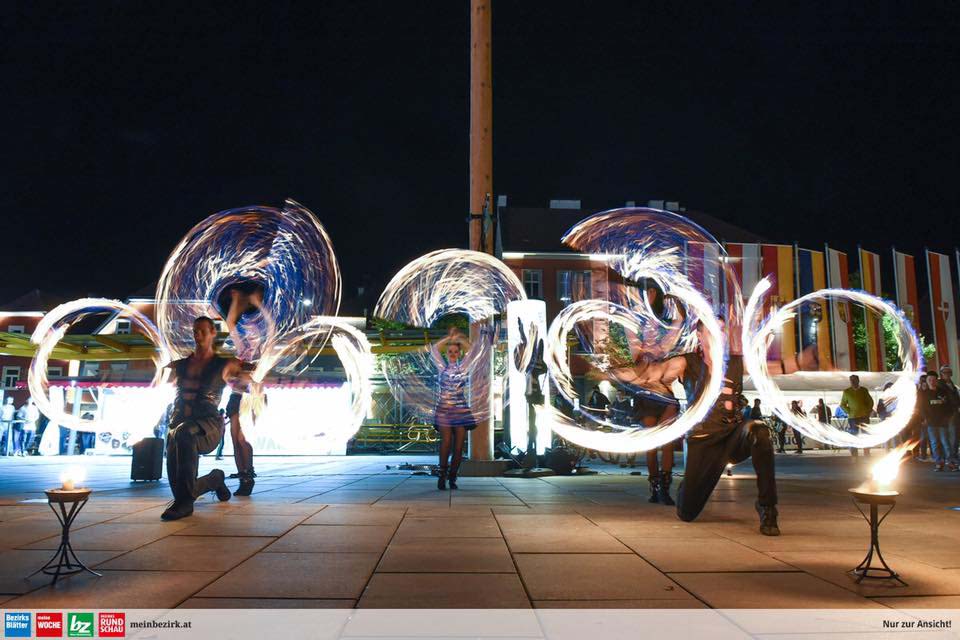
(8, 413)
(858, 405)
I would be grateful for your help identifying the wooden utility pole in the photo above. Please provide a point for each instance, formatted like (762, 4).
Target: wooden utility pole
(481, 124)
(481, 181)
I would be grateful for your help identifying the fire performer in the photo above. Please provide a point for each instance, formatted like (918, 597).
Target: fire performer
(723, 436)
(195, 425)
(453, 417)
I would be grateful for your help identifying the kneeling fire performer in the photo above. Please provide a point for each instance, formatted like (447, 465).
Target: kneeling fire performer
(195, 424)
(723, 436)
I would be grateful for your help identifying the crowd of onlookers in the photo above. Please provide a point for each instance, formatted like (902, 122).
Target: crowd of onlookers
(933, 426)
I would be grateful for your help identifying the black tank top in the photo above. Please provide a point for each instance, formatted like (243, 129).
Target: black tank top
(206, 389)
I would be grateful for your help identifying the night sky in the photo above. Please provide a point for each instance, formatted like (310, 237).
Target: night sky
(126, 123)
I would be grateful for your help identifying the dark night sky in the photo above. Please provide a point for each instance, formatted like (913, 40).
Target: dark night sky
(125, 123)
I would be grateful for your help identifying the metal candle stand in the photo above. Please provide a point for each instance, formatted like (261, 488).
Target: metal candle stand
(875, 499)
(65, 561)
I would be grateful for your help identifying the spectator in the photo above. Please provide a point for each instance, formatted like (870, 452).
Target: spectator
(797, 407)
(597, 400)
(938, 406)
(781, 430)
(755, 412)
(946, 377)
(918, 426)
(8, 413)
(857, 404)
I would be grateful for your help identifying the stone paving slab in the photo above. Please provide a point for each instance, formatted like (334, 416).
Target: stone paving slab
(688, 602)
(236, 525)
(266, 603)
(113, 537)
(447, 555)
(297, 575)
(444, 591)
(557, 534)
(686, 555)
(472, 527)
(333, 538)
(348, 514)
(118, 590)
(768, 591)
(16, 565)
(594, 576)
(833, 566)
(189, 553)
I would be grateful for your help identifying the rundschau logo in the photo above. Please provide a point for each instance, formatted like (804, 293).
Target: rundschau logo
(16, 624)
(80, 625)
(49, 625)
(112, 624)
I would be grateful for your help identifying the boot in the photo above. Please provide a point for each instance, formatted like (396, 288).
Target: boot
(663, 490)
(246, 484)
(442, 479)
(223, 493)
(177, 510)
(654, 481)
(453, 478)
(768, 520)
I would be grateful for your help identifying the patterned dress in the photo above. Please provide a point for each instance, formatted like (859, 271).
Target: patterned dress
(453, 410)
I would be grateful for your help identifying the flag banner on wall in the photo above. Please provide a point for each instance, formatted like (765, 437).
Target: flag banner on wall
(841, 317)
(814, 330)
(745, 263)
(776, 261)
(702, 266)
(870, 282)
(905, 275)
(942, 309)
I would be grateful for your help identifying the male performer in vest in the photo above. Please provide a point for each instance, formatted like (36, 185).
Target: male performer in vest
(195, 425)
(723, 436)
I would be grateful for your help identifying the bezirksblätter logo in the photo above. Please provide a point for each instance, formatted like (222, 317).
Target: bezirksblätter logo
(80, 625)
(17, 624)
(112, 624)
(49, 625)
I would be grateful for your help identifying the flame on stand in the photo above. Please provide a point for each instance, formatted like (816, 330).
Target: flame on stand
(72, 477)
(885, 471)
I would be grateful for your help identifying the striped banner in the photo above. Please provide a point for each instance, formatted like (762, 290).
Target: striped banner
(814, 319)
(870, 281)
(841, 317)
(942, 309)
(702, 266)
(745, 264)
(905, 275)
(776, 260)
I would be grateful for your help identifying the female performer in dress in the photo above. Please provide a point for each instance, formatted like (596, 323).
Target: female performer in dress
(452, 418)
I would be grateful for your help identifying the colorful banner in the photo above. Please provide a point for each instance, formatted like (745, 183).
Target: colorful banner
(905, 275)
(870, 282)
(776, 261)
(702, 265)
(745, 262)
(841, 317)
(942, 309)
(814, 319)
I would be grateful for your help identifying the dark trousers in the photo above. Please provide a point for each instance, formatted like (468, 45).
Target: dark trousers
(708, 455)
(798, 440)
(782, 440)
(187, 440)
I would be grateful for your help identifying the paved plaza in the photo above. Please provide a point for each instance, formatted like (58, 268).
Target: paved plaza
(341, 532)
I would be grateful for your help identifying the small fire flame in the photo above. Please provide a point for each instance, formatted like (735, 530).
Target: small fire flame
(71, 477)
(885, 471)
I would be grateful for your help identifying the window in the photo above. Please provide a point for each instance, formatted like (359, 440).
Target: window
(89, 369)
(123, 327)
(16, 328)
(533, 283)
(11, 376)
(573, 286)
(54, 372)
